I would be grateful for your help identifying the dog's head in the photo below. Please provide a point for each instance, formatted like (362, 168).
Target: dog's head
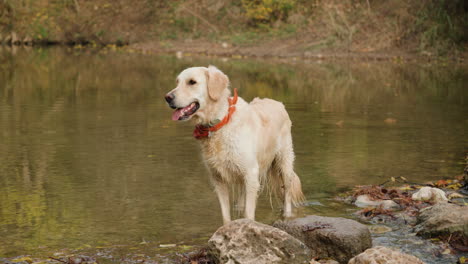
(197, 89)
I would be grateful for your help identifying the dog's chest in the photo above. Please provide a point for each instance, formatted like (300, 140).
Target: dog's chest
(220, 154)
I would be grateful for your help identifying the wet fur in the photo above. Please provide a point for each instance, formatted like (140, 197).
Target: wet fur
(253, 150)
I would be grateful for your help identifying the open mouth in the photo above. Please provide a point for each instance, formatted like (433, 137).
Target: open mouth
(185, 112)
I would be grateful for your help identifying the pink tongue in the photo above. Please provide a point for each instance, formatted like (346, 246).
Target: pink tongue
(177, 114)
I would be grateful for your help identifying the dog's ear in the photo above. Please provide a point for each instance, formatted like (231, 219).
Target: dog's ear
(217, 82)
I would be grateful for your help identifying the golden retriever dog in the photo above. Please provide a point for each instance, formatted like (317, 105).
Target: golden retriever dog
(243, 144)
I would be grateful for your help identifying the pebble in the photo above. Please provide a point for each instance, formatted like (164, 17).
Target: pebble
(365, 201)
(429, 194)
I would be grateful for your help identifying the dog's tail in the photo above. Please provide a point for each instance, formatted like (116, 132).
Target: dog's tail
(295, 189)
(279, 182)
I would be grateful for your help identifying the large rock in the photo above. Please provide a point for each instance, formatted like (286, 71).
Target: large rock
(247, 241)
(329, 237)
(384, 255)
(442, 218)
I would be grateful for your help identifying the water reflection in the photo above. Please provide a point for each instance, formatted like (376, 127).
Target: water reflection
(89, 154)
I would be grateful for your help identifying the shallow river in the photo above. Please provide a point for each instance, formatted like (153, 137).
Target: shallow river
(89, 154)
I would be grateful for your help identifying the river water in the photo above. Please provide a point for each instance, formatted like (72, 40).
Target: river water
(89, 153)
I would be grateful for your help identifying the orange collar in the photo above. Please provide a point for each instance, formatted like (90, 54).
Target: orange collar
(203, 131)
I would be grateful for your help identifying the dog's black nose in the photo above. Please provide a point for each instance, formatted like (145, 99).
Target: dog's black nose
(169, 98)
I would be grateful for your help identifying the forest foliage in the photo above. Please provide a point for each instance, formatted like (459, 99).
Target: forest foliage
(437, 26)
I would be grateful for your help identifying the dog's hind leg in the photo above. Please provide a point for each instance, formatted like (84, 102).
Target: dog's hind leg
(291, 183)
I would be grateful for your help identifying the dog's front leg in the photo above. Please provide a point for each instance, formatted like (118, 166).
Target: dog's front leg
(252, 184)
(222, 190)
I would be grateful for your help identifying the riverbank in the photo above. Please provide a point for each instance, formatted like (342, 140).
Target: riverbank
(285, 49)
(226, 50)
(356, 30)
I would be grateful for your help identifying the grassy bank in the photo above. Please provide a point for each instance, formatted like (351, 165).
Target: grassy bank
(302, 27)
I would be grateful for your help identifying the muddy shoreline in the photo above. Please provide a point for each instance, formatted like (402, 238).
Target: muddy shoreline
(285, 52)
(267, 51)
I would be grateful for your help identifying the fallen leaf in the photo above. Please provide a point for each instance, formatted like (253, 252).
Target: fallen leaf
(406, 188)
(390, 121)
(379, 229)
(455, 195)
(186, 247)
(455, 186)
(441, 183)
(167, 245)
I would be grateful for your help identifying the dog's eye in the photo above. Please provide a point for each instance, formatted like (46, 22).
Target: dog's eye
(192, 82)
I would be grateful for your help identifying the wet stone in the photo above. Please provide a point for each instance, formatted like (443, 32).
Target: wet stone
(329, 237)
(384, 255)
(247, 241)
(442, 218)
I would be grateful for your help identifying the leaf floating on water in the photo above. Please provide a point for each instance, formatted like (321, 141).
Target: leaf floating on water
(462, 260)
(186, 247)
(403, 178)
(167, 245)
(447, 251)
(406, 188)
(27, 259)
(455, 186)
(455, 195)
(379, 229)
(442, 183)
(392, 179)
(390, 121)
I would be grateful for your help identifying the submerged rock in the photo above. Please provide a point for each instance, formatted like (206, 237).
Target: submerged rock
(365, 201)
(384, 255)
(329, 237)
(442, 218)
(247, 241)
(430, 194)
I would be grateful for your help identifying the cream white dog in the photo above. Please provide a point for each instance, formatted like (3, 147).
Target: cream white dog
(243, 144)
